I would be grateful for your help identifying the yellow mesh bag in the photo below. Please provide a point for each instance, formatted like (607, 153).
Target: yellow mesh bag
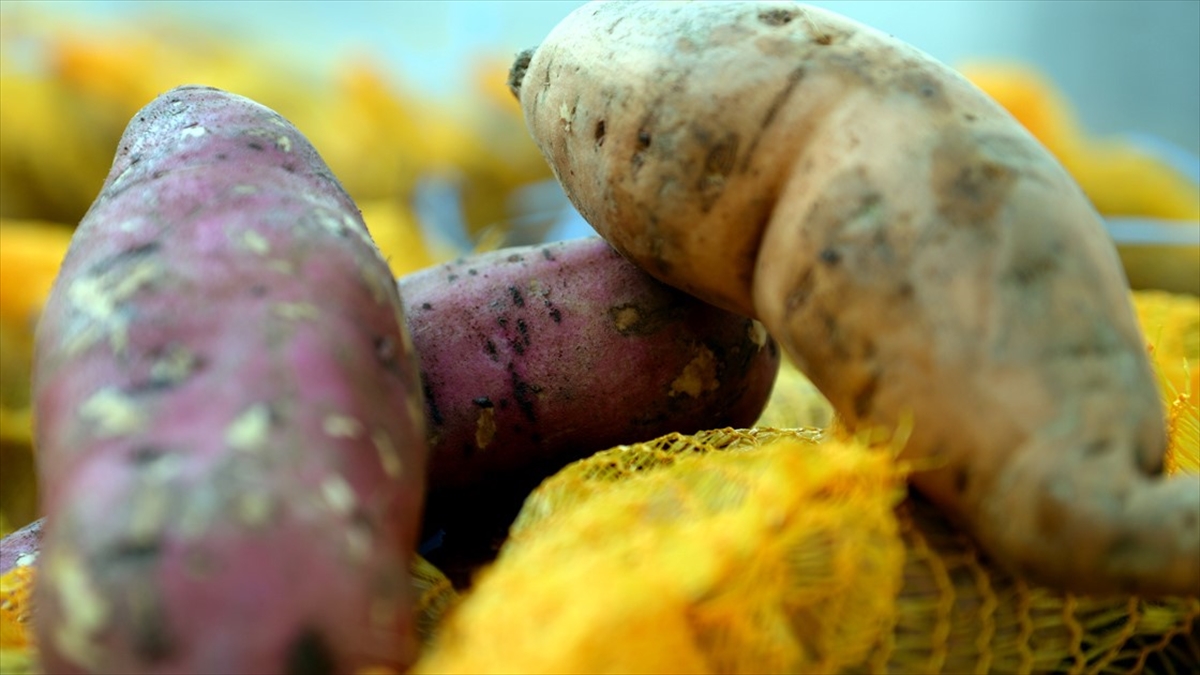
(777, 555)
(435, 594)
(16, 634)
(658, 557)
(1171, 322)
(957, 614)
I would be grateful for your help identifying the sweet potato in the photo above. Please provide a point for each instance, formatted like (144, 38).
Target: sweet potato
(231, 449)
(532, 357)
(432, 590)
(924, 260)
(549, 353)
(21, 548)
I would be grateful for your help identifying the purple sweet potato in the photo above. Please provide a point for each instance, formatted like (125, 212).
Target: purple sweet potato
(550, 353)
(21, 548)
(532, 357)
(231, 449)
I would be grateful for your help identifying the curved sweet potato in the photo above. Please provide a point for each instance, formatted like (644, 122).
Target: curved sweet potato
(920, 256)
(231, 449)
(546, 354)
(533, 357)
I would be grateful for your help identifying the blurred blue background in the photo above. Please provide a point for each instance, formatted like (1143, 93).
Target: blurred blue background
(1125, 65)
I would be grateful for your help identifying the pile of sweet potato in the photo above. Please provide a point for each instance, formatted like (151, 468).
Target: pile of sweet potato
(235, 409)
(244, 422)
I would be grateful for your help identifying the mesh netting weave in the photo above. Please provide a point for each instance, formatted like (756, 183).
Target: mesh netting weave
(775, 551)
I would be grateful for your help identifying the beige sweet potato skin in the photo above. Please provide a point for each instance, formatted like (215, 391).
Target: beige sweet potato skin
(229, 428)
(926, 262)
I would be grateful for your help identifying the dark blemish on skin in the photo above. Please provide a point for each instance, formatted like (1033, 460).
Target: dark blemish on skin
(523, 329)
(525, 395)
(830, 256)
(152, 642)
(1156, 466)
(503, 321)
(426, 305)
(385, 350)
(905, 290)
(361, 520)
(134, 552)
(962, 479)
(837, 345)
(556, 315)
(776, 17)
(126, 257)
(800, 292)
(255, 145)
(864, 398)
(599, 135)
(157, 174)
(309, 655)
(972, 180)
(435, 415)
(969, 117)
(1028, 271)
(143, 455)
(472, 272)
(970, 184)
(643, 140)
(151, 386)
(517, 298)
(1098, 448)
(516, 257)
(490, 348)
(547, 254)
(290, 168)
(718, 164)
(483, 402)
(452, 277)
(781, 97)
(222, 156)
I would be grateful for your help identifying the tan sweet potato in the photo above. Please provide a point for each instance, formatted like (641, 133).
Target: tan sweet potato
(922, 258)
(231, 449)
